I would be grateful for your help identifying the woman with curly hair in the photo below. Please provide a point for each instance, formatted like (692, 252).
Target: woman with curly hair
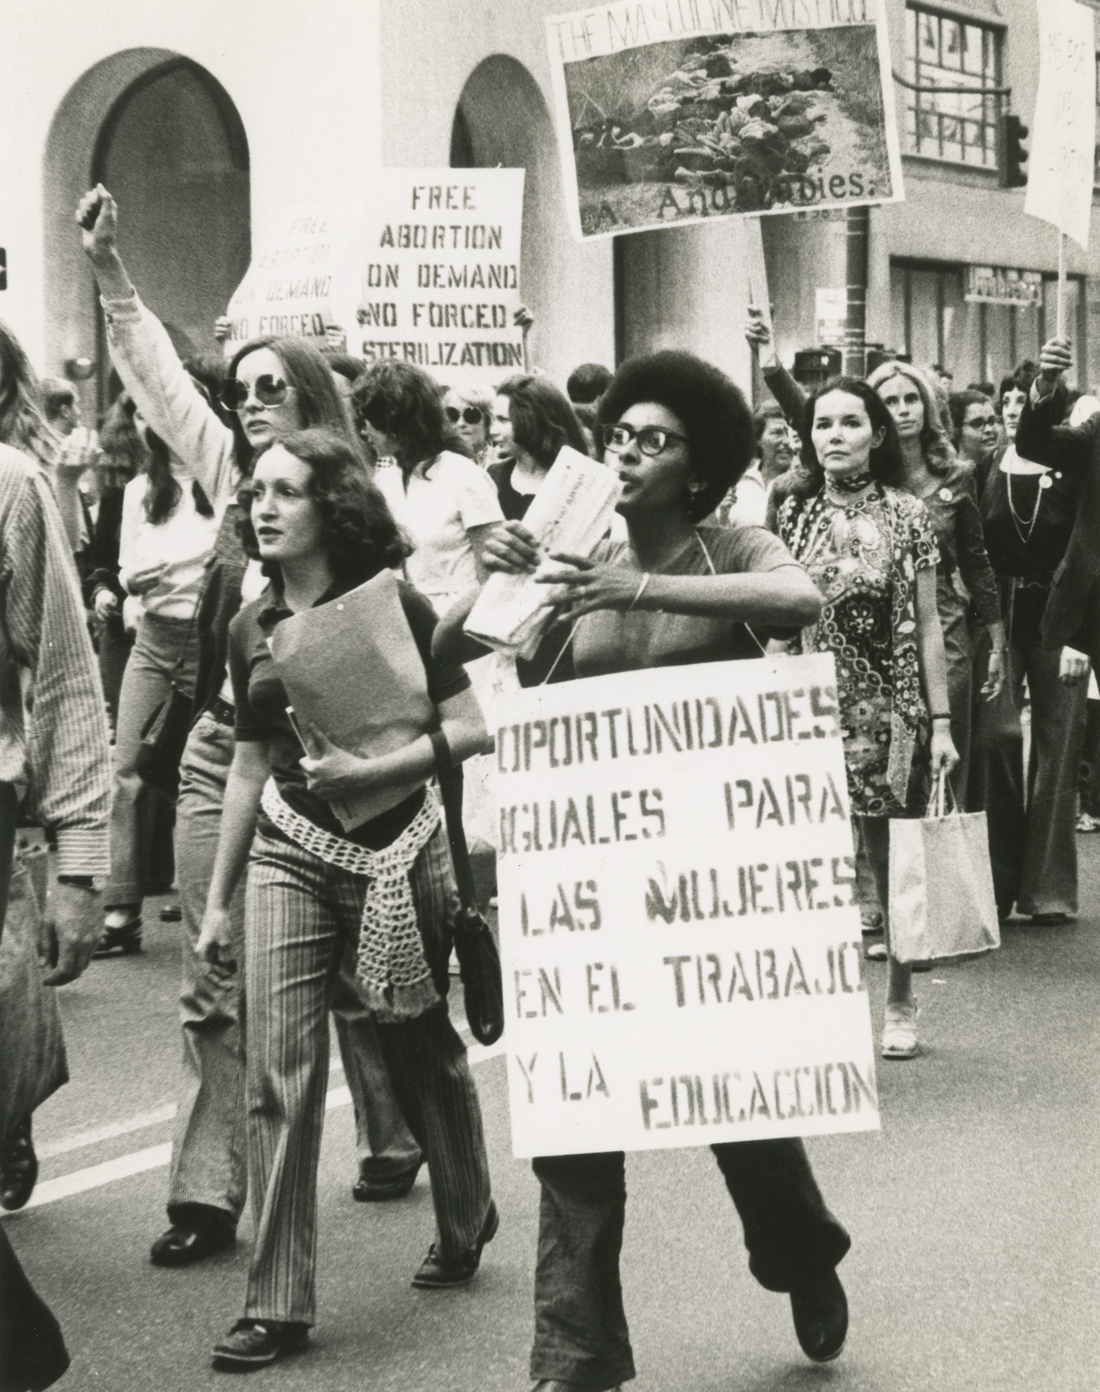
(870, 547)
(322, 528)
(677, 590)
(274, 386)
(947, 487)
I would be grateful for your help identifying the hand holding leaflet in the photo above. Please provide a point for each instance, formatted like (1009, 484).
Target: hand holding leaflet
(570, 513)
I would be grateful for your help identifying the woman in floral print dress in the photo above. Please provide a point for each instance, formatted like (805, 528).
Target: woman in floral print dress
(871, 550)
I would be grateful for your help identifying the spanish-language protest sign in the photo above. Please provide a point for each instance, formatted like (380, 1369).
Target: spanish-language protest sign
(677, 113)
(1063, 144)
(303, 276)
(679, 939)
(440, 272)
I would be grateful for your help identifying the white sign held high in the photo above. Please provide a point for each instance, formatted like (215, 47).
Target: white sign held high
(679, 937)
(1062, 154)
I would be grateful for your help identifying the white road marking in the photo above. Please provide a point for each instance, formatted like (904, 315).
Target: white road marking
(156, 1157)
(78, 1140)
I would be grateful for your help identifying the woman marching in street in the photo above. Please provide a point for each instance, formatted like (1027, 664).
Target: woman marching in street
(946, 486)
(870, 547)
(676, 591)
(274, 386)
(1028, 512)
(322, 528)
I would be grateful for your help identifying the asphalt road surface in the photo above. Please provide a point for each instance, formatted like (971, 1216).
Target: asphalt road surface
(974, 1213)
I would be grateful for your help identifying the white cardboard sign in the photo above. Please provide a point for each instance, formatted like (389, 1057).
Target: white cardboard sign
(1061, 160)
(679, 938)
(440, 273)
(671, 114)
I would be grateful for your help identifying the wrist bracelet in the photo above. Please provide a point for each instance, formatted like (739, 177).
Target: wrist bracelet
(640, 591)
(77, 881)
(941, 715)
(441, 750)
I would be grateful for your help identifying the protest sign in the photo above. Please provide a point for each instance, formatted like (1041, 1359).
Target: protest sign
(303, 275)
(440, 272)
(1063, 143)
(679, 938)
(674, 114)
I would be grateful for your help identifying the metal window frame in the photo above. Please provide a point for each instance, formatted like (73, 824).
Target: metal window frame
(933, 148)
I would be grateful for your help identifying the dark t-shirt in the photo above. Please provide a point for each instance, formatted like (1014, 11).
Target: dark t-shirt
(261, 703)
(1041, 554)
(514, 505)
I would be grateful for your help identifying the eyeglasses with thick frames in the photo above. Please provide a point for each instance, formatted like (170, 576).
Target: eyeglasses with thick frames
(651, 439)
(470, 414)
(269, 391)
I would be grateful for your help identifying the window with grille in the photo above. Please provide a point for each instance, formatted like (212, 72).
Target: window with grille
(943, 52)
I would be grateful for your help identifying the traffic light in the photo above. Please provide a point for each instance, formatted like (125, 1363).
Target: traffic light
(1015, 133)
(3, 268)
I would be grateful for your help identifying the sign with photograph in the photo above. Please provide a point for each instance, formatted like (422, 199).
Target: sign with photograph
(439, 282)
(680, 941)
(995, 285)
(675, 114)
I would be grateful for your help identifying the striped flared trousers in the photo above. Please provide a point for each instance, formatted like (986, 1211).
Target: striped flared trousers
(300, 915)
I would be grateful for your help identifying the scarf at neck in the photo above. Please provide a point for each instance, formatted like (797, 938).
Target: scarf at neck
(854, 483)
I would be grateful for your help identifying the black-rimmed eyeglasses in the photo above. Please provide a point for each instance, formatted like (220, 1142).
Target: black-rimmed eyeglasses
(470, 414)
(651, 439)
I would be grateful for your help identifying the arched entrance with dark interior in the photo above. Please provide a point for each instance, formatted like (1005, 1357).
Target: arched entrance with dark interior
(163, 135)
(502, 119)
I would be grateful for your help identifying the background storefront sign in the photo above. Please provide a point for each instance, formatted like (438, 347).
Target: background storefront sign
(439, 282)
(668, 115)
(997, 285)
(680, 943)
(303, 275)
(1063, 145)
(831, 316)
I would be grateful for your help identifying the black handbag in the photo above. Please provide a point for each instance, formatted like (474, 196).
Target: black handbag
(163, 737)
(475, 947)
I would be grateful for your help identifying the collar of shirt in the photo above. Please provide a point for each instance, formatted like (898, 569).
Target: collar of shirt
(274, 608)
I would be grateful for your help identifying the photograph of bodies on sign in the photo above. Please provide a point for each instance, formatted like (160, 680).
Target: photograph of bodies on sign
(723, 124)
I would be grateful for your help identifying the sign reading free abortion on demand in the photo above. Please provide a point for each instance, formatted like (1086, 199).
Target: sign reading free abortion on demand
(679, 938)
(440, 272)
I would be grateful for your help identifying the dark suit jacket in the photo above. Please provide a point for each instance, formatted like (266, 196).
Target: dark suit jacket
(1072, 614)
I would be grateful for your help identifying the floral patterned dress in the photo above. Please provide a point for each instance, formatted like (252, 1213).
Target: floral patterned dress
(864, 557)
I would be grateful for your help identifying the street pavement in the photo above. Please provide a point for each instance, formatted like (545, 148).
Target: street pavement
(974, 1213)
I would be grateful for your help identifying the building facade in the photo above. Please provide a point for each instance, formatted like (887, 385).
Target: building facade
(205, 116)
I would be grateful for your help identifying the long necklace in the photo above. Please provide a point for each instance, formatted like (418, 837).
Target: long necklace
(1017, 520)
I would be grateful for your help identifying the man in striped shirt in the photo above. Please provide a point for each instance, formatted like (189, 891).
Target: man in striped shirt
(60, 755)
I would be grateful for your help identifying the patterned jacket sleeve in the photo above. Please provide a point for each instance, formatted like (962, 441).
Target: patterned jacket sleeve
(154, 376)
(44, 629)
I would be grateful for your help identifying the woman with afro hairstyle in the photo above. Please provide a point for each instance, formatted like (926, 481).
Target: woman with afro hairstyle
(679, 434)
(322, 528)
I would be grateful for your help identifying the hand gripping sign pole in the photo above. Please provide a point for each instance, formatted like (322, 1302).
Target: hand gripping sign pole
(1063, 146)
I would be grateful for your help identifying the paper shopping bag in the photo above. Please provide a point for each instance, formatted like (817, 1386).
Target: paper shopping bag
(941, 887)
(351, 668)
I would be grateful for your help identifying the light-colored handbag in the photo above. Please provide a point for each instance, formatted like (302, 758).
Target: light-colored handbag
(941, 885)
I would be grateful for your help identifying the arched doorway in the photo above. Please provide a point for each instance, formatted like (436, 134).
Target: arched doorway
(502, 119)
(164, 136)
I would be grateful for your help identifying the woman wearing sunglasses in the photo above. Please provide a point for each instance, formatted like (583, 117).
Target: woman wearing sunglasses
(274, 386)
(676, 591)
(468, 411)
(314, 889)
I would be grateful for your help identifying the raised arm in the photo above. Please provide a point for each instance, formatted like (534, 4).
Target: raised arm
(147, 362)
(1038, 438)
(779, 381)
